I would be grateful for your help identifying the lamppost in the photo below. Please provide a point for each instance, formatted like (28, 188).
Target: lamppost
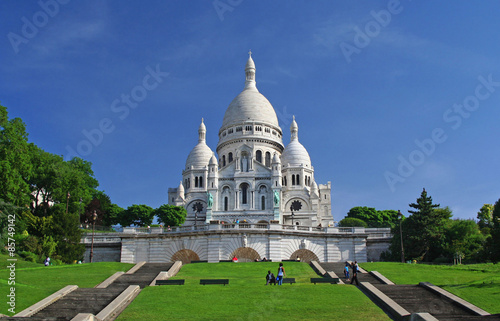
(94, 218)
(67, 202)
(400, 218)
(291, 209)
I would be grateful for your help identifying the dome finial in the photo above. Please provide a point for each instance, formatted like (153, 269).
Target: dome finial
(294, 130)
(202, 132)
(250, 72)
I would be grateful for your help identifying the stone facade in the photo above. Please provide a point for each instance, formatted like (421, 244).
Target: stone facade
(254, 178)
(220, 242)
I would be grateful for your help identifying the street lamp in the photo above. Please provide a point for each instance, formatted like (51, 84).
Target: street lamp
(94, 218)
(400, 218)
(67, 202)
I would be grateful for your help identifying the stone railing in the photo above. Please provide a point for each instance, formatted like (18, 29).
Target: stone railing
(372, 232)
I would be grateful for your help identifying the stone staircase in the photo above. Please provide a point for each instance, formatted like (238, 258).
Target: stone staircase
(81, 300)
(94, 300)
(338, 268)
(413, 299)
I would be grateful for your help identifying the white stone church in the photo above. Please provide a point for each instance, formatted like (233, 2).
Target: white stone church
(254, 178)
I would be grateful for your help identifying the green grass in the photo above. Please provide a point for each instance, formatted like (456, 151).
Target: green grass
(477, 283)
(247, 298)
(35, 281)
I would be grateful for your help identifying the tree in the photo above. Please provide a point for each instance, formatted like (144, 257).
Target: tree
(15, 165)
(423, 231)
(463, 237)
(494, 241)
(107, 212)
(140, 215)
(352, 222)
(67, 234)
(374, 218)
(170, 214)
(485, 217)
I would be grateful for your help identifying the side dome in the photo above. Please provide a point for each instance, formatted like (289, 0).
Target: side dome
(295, 153)
(200, 155)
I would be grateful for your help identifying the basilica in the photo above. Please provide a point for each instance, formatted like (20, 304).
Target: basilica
(252, 177)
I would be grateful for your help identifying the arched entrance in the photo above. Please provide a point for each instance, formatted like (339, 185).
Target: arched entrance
(304, 255)
(245, 254)
(186, 256)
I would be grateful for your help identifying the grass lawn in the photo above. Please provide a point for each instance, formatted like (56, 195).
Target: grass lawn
(35, 281)
(476, 283)
(247, 298)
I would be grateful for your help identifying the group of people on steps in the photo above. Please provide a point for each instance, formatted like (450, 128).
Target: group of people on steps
(271, 279)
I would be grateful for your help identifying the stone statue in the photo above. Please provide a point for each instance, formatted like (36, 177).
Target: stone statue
(244, 163)
(276, 198)
(210, 200)
(244, 240)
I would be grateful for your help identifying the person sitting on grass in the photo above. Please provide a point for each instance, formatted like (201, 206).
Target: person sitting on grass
(270, 279)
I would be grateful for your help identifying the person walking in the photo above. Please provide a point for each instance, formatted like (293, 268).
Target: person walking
(346, 270)
(281, 274)
(354, 267)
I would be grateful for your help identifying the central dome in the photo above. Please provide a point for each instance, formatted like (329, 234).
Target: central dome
(250, 104)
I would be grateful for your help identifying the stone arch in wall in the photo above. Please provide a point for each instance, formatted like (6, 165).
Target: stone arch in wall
(186, 256)
(304, 255)
(245, 254)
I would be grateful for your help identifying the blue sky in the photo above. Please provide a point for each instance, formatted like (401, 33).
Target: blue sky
(389, 96)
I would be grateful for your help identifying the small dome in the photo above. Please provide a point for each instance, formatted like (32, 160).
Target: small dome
(295, 153)
(180, 188)
(276, 159)
(199, 156)
(201, 153)
(213, 160)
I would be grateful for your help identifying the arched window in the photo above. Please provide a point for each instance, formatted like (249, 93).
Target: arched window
(258, 156)
(297, 180)
(263, 203)
(268, 159)
(223, 160)
(293, 180)
(226, 203)
(196, 181)
(230, 157)
(285, 180)
(189, 182)
(244, 191)
(200, 181)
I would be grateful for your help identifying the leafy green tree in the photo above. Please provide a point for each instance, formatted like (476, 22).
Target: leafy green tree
(67, 234)
(464, 238)
(352, 222)
(7, 211)
(485, 217)
(494, 241)
(170, 214)
(374, 218)
(15, 165)
(139, 215)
